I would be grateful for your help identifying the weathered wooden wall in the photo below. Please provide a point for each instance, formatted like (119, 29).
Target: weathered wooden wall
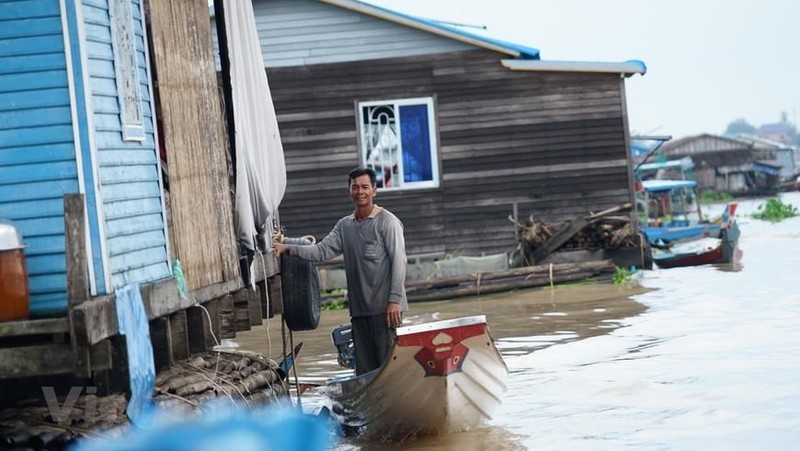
(554, 144)
(195, 141)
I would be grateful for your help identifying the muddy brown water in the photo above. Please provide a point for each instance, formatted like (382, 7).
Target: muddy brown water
(705, 357)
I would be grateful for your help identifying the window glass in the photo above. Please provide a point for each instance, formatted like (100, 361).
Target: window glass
(398, 141)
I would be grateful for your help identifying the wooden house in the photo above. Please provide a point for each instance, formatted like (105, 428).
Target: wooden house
(729, 165)
(465, 131)
(97, 113)
(783, 154)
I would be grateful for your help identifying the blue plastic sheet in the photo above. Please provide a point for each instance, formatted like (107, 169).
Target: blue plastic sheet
(134, 326)
(224, 428)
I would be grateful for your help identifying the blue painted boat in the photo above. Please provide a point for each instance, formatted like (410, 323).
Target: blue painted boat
(668, 211)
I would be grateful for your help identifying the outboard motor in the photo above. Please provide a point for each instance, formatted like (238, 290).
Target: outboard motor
(342, 337)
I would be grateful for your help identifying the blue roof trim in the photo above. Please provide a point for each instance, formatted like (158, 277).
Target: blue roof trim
(639, 63)
(667, 185)
(523, 51)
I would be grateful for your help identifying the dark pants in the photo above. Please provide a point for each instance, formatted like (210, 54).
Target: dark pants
(373, 341)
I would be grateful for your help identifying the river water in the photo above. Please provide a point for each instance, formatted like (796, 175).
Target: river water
(704, 357)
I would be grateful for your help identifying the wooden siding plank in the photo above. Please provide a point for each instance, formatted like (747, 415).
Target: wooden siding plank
(147, 274)
(122, 245)
(37, 154)
(42, 226)
(12, 120)
(42, 98)
(45, 264)
(40, 172)
(127, 191)
(32, 63)
(124, 209)
(113, 175)
(26, 82)
(43, 245)
(29, 9)
(31, 209)
(39, 190)
(34, 45)
(48, 283)
(140, 258)
(55, 134)
(29, 27)
(134, 225)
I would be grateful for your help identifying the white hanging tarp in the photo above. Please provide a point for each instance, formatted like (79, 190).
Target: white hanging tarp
(260, 168)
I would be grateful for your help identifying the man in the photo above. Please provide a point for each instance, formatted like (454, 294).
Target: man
(371, 240)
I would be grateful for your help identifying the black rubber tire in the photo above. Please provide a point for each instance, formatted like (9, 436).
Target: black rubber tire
(300, 289)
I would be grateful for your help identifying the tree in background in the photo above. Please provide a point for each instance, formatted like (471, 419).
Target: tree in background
(740, 126)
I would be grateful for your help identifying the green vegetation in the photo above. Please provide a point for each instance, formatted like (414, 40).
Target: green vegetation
(708, 197)
(622, 276)
(333, 299)
(775, 211)
(334, 304)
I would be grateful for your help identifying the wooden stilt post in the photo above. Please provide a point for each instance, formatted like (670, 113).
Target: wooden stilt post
(77, 281)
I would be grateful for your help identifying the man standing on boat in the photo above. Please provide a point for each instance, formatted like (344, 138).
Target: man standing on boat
(371, 240)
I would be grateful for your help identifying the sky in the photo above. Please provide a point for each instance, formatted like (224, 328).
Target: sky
(709, 62)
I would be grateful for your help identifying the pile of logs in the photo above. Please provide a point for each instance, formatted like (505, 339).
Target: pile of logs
(608, 229)
(499, 281)
(243, 379)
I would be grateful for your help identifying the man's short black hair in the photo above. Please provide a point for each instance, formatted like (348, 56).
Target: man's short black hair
(359, 171)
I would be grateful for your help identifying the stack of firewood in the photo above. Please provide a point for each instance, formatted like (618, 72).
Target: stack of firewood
(606, 233)
(608, 229)
(249, 379)
(242, 379)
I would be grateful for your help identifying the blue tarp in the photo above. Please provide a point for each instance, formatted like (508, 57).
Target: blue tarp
(141, 369)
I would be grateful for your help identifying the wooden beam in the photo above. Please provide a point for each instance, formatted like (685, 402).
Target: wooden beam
(34, 327)
(161, 338)
(241, 310)
(227, 327)
(77, 281)
(180, 335)
(77, 266)
(275, 299)
(265, 266)
(159, 298)
(254, 304)
(198, 328)
(41, 360)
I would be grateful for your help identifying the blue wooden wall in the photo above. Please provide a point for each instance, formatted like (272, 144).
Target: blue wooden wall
(60, 133)
(128, 171)
(37, 147)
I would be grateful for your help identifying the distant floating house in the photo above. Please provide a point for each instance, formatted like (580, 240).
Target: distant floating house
(778, 132)
(724, 164)
(465, 131)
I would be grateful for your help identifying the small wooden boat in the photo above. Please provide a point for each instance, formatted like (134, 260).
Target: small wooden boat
(669, 210)
(701, 251)
(440, 377)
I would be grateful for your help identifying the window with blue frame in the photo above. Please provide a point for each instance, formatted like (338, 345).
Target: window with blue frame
(398, 141)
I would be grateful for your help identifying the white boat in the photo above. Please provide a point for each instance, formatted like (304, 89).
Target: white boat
(440, 377)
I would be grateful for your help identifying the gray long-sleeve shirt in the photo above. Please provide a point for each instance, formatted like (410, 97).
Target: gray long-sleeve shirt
(374, 260)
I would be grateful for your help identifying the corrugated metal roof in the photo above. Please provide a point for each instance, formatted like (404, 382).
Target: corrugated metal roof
(516, 50)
